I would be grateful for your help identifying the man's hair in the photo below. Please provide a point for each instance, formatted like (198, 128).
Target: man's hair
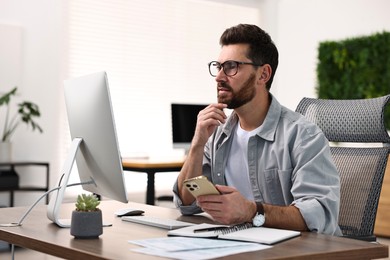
(262, 50)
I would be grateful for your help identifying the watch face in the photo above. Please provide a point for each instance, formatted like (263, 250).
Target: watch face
(258, 220)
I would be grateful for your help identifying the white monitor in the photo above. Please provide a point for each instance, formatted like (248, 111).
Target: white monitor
(94, 145)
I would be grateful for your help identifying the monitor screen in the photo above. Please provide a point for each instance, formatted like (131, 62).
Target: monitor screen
(95, 144)
(184, 118)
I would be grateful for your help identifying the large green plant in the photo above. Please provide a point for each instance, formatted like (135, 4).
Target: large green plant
(355, 68)
(26, 113)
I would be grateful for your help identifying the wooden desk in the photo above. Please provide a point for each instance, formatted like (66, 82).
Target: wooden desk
(151, 167)
(38, 233)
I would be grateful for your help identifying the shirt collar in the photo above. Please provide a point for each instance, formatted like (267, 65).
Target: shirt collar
(268, 128)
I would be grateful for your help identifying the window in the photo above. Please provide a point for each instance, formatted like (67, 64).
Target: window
(155, 53)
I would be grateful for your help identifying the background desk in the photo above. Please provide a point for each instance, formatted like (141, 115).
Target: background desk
(38, 233)
(151, 167)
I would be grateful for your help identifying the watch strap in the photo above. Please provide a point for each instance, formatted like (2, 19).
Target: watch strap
(259, 208)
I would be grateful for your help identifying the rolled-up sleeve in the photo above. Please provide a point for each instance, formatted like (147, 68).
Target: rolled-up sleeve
(185, 210)
(316, 185)
(193, 208)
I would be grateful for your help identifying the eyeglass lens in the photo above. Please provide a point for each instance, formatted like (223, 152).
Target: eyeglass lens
(230, 68)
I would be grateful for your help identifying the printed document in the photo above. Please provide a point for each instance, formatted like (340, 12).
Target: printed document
(193, 248)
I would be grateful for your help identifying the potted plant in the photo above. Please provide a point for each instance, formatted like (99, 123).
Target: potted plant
(26, 113)
(86, 219)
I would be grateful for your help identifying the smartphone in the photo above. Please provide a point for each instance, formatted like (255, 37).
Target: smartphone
(200, 186)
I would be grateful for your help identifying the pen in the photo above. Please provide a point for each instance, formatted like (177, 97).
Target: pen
(210, 229)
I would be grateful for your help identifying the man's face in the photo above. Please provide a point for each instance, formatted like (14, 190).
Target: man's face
(236, 98)
(239, 89)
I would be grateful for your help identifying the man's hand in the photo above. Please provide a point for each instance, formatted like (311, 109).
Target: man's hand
(229, 208)
(208, 119)
(233, 208)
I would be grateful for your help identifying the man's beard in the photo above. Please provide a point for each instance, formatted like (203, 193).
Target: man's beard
(243, 96)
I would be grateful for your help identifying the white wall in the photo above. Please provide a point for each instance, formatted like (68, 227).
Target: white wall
(296, 26)
(302, 24)
(40, 21)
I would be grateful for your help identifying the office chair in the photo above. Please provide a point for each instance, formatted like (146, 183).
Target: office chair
(362, 168)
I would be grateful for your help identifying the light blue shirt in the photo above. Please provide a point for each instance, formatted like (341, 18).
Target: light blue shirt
(289, 163)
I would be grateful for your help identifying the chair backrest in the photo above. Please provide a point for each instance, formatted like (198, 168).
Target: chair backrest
(361, 168)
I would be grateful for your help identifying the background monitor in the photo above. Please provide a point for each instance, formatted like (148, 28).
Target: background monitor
(184, 118)
(94, 144)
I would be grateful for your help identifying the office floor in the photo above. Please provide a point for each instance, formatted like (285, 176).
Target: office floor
(22, 253)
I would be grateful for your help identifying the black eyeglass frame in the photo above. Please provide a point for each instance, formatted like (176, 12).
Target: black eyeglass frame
(238, 63)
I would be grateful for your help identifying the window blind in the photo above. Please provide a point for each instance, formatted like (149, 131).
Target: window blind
(155, 53)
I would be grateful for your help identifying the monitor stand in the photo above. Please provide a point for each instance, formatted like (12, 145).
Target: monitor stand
(53, 209)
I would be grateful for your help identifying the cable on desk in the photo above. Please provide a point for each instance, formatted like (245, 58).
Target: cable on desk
(19, 223)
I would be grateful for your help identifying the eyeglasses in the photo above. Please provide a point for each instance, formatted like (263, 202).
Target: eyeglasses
(230, 67)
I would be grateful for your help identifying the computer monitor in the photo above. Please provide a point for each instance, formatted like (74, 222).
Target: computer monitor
(94, 146)
(184, 118)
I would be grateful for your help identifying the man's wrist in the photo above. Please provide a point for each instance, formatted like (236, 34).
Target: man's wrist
(259, 219)
(252, 211)
(257, 208)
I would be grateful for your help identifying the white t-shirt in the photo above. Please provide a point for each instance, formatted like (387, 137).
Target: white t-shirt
(237, 173)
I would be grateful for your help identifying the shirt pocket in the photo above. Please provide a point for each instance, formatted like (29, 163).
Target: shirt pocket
(278, 187)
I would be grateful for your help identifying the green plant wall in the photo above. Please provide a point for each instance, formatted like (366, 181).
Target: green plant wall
(355, 68)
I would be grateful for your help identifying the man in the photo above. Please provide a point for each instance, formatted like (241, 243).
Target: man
(271, 166)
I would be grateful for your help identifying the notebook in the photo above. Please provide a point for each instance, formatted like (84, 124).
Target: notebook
(244, 232)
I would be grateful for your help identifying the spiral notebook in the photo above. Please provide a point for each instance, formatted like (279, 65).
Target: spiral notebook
(242, 232)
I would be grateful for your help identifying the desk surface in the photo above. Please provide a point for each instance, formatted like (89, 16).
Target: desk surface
(38, 233)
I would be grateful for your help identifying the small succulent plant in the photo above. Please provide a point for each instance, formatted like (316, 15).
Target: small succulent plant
(87, 202)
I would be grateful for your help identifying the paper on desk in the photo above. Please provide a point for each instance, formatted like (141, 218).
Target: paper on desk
(171, 244)
(193, 248)
(201, 254)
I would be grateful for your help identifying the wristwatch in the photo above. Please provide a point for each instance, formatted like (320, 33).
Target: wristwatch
(259, 218)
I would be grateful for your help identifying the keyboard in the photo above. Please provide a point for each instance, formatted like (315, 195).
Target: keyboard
(157, 222)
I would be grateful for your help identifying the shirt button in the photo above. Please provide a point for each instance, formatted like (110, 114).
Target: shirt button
(219, 174)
